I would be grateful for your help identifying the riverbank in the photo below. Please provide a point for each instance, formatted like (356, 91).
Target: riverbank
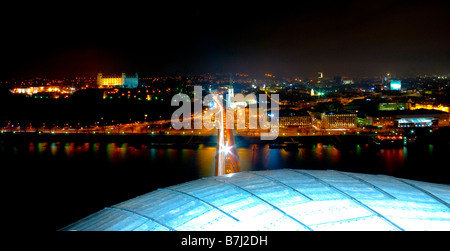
(422, 135)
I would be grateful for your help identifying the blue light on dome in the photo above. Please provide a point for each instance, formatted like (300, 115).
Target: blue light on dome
(286, 199)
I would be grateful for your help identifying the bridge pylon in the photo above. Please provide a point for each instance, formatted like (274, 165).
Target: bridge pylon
(227, 159)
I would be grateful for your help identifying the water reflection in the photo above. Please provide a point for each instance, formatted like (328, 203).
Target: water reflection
(392, 159)
(204, 158)
(31, 147)
(117, 154)
(201, 162)
(54, 148)
(69, 149)
(96, 148)
(358, 150)
(42, 147)
(333, 154)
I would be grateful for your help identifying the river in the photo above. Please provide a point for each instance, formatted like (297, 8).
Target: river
(86, 177)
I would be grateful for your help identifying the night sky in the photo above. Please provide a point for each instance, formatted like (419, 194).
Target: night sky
(289, 38)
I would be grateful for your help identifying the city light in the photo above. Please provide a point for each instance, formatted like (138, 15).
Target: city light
(226, 149)
(273, 95)
(431, 107)
(396, 85)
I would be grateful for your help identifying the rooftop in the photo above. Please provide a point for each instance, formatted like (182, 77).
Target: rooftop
(419, 112)
(286, 199)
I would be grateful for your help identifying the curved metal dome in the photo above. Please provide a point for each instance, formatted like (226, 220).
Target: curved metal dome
(284, 199)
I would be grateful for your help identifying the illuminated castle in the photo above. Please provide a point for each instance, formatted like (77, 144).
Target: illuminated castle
(117, 81)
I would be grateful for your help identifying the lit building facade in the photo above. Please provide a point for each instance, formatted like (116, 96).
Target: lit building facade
(408, 118)
(380, 121)
(431, 107)
(116, 81)
(319, 77)
(335, 121)
(51, 91)
(391, 106)
(297, 121)
(35, 90)
(444, 120)
(396, 85)
(417, 120)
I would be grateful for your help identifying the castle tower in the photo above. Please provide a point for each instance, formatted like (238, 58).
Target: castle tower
(99, 79)
(124, 77)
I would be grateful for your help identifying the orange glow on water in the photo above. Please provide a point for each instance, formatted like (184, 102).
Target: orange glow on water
(393, 159)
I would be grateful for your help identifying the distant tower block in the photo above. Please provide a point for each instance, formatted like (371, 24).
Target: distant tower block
(319, 77)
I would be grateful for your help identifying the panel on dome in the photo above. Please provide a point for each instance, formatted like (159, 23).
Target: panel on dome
(282, 200)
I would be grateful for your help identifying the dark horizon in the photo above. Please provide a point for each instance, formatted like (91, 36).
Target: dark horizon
(349, 38)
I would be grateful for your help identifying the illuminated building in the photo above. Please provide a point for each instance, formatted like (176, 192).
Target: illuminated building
(380, 121)
(415, 122)
(407, 118)
(339, 121)
(53, 91)
(348, 82)
(444, 120)
(284, 200)
(319, 77)
(431, 107)
(35, 90)
(230, 93)
(297, 121)
(117, 81)
(28, 91)
(391, 106)
(418, 118)
(396, 85)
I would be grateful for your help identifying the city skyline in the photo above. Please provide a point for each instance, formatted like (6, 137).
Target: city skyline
(346, 38)
(226, 115)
